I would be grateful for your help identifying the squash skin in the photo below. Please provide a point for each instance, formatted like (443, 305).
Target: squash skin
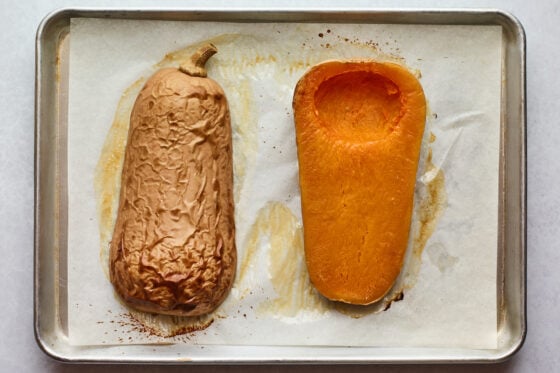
(359, 127)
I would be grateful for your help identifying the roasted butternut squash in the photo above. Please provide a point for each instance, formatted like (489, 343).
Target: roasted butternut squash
(173, 247)
(359, 127)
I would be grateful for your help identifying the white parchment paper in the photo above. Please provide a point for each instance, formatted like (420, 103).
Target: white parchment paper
(452, 300)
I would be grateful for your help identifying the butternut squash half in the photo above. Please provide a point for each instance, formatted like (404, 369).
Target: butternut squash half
(173, 247)
(359, 127)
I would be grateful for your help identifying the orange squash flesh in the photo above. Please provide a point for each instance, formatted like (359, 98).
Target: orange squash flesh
(359, 128)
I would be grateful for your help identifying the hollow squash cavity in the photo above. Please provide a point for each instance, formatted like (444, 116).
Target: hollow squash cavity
(358, 106)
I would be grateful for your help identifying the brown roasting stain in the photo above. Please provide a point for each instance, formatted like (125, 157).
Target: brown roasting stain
(158, 325)
(397, 298)
(279, 232)
(163, 325)
(374, 46)
(109, 168)
(431, 206)
(265, 59)
(244, 137)
(251, 247)
(357, 311)
(286, 264)
(431, 201)
(297, 65)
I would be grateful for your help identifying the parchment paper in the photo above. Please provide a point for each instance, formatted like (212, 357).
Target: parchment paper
(452, 299)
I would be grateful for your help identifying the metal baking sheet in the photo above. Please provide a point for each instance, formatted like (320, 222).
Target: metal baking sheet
(51, 196)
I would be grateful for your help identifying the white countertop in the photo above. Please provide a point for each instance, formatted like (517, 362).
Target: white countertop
(18, 350)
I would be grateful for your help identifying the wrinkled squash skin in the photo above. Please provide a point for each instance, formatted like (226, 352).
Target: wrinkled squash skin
(173, 247)
(359, 128)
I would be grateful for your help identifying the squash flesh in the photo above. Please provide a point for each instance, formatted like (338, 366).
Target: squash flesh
(358, 106)
(359, 127)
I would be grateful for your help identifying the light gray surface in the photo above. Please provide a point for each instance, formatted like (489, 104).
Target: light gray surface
(18, 351)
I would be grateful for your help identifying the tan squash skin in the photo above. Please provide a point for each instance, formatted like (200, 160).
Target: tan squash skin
(173, 249)
(359, 128)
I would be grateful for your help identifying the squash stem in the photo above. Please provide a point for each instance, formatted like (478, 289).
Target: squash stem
(196, 65)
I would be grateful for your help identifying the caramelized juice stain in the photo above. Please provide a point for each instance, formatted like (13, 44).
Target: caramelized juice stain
(164, 325)
(280, 231)
(287, 268)
(108, 170)
(258, 59)
(244, 136)
(251, 247)
(432, 137)
(431, 206)
(297, 66)
(431, 202)
(374, 47)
